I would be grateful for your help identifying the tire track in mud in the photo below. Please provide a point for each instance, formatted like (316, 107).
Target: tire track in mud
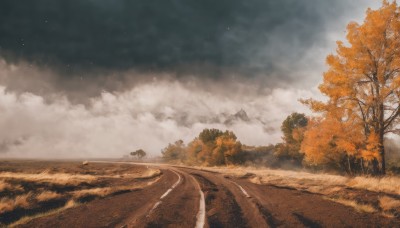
(165, 194)
(222, 210)
(267, 215)
(176, 208)
(307, 222)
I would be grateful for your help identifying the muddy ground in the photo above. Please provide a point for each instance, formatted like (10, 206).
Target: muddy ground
(172, 199)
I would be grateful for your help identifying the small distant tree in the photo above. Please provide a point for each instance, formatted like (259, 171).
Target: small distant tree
(138, 153)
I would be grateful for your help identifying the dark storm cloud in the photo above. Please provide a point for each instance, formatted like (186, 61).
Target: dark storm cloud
(204, 37)
(97, 78)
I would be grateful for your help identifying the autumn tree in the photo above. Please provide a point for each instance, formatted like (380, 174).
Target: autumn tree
(227, 150)
(293, 128)
(214, 147)
(335, 144)
(174, 152)
(138, 153)
(196, 152)
(363, 82)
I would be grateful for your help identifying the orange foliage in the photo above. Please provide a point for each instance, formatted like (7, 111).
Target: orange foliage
(328, 140)
(372, 148)
(230, 149)
(363, 87)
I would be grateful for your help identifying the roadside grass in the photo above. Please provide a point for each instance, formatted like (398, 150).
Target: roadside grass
(351, 203)
(388, 203)
(388, 184)
(23, 220)
(313, 182)
(91, 192)
(105, 191)
(296, 179)
(333, 187)
(150, 173)
(47, 195)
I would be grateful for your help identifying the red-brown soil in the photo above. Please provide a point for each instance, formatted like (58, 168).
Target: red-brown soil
(226, 206)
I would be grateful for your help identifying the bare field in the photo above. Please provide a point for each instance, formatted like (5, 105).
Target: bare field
(31, 189)
(365, 194)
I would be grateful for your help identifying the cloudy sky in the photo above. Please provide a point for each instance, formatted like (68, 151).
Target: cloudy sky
(100, 78)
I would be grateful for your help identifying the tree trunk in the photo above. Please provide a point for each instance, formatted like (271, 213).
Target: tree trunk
(375, 168)
(348, 162)
(382, 154)
(381, 136)
(362, 166)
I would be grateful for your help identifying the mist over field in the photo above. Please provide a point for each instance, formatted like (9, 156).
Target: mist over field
(113, 77)
(148, 116)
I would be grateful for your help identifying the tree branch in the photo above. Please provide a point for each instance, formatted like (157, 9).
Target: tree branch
(392, 117)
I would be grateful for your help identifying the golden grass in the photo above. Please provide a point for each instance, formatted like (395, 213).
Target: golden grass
(102, 192)
(389, 184)
(7, 204)
(351, 203)
(317, 183)
(326, 184)
(150, 173)
(28, 200)
(57, 178)
(26, 219)
(388, 203)
(4, 185)
(47, 195)
(93, 191)
(69, 179)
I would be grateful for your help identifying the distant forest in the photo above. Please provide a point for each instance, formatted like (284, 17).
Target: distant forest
(214, 147)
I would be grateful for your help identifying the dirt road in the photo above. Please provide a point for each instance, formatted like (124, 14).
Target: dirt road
(186, 197)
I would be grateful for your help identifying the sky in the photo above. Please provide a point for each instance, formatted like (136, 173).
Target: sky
(101, 78)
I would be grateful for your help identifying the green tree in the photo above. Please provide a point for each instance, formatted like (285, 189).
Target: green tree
(210, 135)
(174, 152)
(139, 154)
(293, 128)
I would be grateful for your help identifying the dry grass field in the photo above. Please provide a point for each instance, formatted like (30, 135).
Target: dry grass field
(30, 189)
(365, 194)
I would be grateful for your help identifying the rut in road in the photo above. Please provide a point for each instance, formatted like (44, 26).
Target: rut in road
(175, 208)
(221, 206)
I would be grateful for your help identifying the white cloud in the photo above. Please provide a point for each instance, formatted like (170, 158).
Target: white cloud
(148, 116)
